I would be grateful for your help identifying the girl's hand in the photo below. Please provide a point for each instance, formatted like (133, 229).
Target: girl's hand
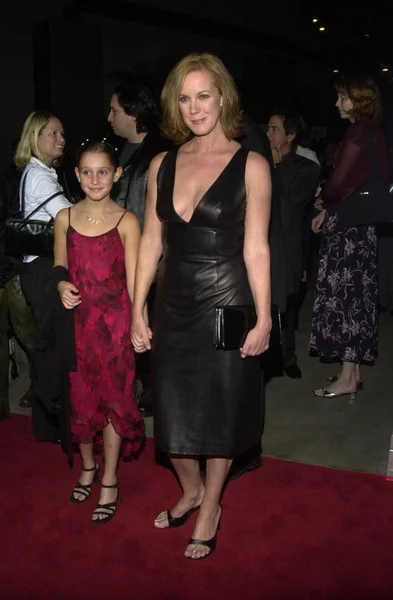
(69, 294)
(317, 222)
(257, 340)
(141, 335)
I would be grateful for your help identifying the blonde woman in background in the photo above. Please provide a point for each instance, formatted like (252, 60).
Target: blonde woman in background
(40, 147)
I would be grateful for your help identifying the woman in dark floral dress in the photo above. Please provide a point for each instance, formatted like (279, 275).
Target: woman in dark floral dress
(344, 325)
(98, 242)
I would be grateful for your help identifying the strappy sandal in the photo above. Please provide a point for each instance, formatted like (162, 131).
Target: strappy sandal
(102, 509)
(84, 489)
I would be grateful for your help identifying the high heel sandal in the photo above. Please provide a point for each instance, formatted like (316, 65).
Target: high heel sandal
(101, 509)
(325, 393)
(359, 385)
(178, 521)
(84, 489)
(211, 544)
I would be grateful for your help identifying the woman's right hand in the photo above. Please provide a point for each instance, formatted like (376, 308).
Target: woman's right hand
(69, 294)
(141, 335)
(317, 222)
(318, 203)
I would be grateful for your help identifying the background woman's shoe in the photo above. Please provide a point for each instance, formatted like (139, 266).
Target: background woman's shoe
(325, 393)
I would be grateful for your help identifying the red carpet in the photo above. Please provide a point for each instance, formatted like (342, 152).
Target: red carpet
(289, 531)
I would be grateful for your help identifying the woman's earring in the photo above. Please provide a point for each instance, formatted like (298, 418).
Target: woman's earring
(221, 102)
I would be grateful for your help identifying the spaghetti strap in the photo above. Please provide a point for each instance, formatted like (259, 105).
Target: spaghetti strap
(119, 221)
(69, 216)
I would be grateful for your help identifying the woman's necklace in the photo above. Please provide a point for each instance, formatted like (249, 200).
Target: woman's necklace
(96, 221)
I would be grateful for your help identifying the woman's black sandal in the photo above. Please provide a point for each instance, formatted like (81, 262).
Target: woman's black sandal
(179, 521)
(84, 489)
(211, 544)
(102, 509)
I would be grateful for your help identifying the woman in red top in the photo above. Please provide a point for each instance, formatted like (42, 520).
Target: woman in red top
(344, 325)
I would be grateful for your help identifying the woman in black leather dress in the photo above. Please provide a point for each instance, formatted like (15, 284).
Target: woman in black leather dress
(206, 402)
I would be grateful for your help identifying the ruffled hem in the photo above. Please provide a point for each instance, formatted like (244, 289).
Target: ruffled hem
(133, 434)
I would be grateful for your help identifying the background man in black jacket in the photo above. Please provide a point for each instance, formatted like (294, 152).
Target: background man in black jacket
(295, 180)
(134, 116)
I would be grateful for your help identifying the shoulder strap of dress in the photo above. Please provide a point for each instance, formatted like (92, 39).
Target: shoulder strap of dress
(168, 163)
(69, 216)
(119, 221)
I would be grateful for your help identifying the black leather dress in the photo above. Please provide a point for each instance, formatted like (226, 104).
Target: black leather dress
(205, 401)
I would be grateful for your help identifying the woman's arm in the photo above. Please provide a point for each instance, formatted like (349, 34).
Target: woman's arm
(69, 294)
(150, 251)
(131, 234)
(346, 176)
(150, 248)
(43, 186)
(60, 245)
(256, 250)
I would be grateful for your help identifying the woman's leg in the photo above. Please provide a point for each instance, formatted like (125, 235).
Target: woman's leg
(346, 382)
(187, 470)
(206, 526)
(112, 443)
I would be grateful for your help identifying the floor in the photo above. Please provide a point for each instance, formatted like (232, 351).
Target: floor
(341, 433)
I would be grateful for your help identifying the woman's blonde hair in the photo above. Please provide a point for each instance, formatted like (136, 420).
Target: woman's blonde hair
(28, 143)
(173, 125)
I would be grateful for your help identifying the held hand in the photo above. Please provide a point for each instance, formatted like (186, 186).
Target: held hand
(257, 340)
(69, 294)
(141, 335)
(317, 222)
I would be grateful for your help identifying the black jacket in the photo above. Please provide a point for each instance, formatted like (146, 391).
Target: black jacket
(130, 191)
(295, 182)
(55, 357)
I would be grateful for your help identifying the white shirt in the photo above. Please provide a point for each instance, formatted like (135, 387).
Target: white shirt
(41, 183)
(307, 153)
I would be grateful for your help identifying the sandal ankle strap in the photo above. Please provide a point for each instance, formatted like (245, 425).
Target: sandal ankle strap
(92, 469)
(115, 485)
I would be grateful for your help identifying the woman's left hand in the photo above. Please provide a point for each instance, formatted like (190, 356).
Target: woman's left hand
(257, 340)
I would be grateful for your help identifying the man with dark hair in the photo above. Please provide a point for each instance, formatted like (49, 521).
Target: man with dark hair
(295, 181)
(134, 116)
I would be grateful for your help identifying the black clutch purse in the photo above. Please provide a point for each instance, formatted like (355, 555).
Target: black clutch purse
(25, 235)
(232, 324)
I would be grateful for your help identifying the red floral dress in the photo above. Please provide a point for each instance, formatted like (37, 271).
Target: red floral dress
(102, 388)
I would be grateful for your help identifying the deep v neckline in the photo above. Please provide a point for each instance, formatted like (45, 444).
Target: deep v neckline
(197, 205)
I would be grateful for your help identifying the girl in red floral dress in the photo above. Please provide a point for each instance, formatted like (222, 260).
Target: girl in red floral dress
(97, 241)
